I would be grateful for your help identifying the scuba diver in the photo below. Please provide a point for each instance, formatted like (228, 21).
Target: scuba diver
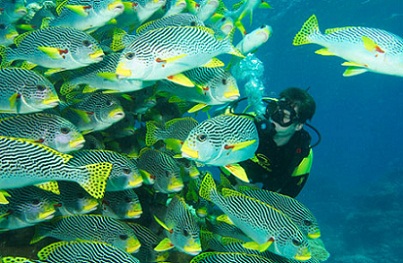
(283, 159)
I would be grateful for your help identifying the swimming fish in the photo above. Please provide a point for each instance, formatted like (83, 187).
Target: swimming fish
(91, 228)
(181, 228)
(86, 15)
(224, 257)
(268, 227)
(48, 129)
(7, 33)
(27, 207)
(253, 40)
(93, 111)
(79, 251)
(121, 205)
(74, 200)
(57, 48)
(148, 239)
(298, 212)
(214, 86)
(25, 91)
(124, 174)
(181, 19)
(224, 141)
(176, 129)
(363, 48)
(24, 163)
(163, 53)
(12, 11)
(161, 170)
(101, 76)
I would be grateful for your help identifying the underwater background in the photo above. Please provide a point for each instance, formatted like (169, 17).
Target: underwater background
(355, 185)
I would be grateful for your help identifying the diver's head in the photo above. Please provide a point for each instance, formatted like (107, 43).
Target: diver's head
(289, 113)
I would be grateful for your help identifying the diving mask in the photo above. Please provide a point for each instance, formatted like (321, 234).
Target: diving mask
(281, 112)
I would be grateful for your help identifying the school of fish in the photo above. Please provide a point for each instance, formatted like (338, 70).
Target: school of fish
(100, 147)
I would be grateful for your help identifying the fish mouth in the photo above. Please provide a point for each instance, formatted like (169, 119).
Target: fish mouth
(304, 255)
(175, 186)
(232, 94)
(133, 246)
(97, 55)
(117, 114)
(193, 249)
(47, 215)
(122, 71)
(11, 35)
(135, 213)
(91, 206)
(137, 182)
(117, 5)
(52, 101)
(77, 143)
(314, 235)
(188, 152)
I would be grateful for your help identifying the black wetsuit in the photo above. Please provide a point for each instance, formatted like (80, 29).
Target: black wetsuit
(274, 165)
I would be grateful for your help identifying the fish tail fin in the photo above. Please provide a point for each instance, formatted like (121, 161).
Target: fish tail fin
(96, 182)
(118, 37)
(309, 28)
(16, 259)
(152, 133)
(67, 87)
(41, 232)
(4, 59)
(208, 187)
(232, 49)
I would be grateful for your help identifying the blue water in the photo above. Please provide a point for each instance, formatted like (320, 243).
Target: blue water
(360, 119)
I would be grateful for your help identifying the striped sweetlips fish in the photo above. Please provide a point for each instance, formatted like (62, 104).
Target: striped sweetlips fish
(224, 141)
(364, 48)
(57, 48)
(269, 228)
(23, 163)
(25, 91)
(165, 52)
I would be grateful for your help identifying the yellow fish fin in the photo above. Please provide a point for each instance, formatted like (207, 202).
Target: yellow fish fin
(197, 107)
(164, 245)
(194, 172)
(171, 59)
(96, 183)
(352, 64)
(237, 171)
(240, 145)
(52, 52)
(60, 4)
(51, 186)
(66, 88)
(52, 71)
(13, 100)
(174, 99)
(83, 114)
(371, 45)
(3, 197)
(324, 52)
(181, 79)
(162, 224)
(16, 260)
(353, 71)
(81, 10)
(108, 75)
(224, 218)
(252, 245)
(310, 27)
(214, 63)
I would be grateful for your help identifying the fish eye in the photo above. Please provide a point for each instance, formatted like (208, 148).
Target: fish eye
(129, 55)
(262, 26)
(86, 43)
(123, 237)
(193, 23)
(2, 26)
(126, 170)
(40, 87)
(223, 19)
(296, 242)
(64, 130)
(128, 199)
(80, 195)
(201, 137)
(109, 103)
(36, 202)
(185, 233)
(307, 222)
(224, 81)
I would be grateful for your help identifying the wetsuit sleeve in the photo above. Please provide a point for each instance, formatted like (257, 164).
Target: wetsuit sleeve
(299, 177)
